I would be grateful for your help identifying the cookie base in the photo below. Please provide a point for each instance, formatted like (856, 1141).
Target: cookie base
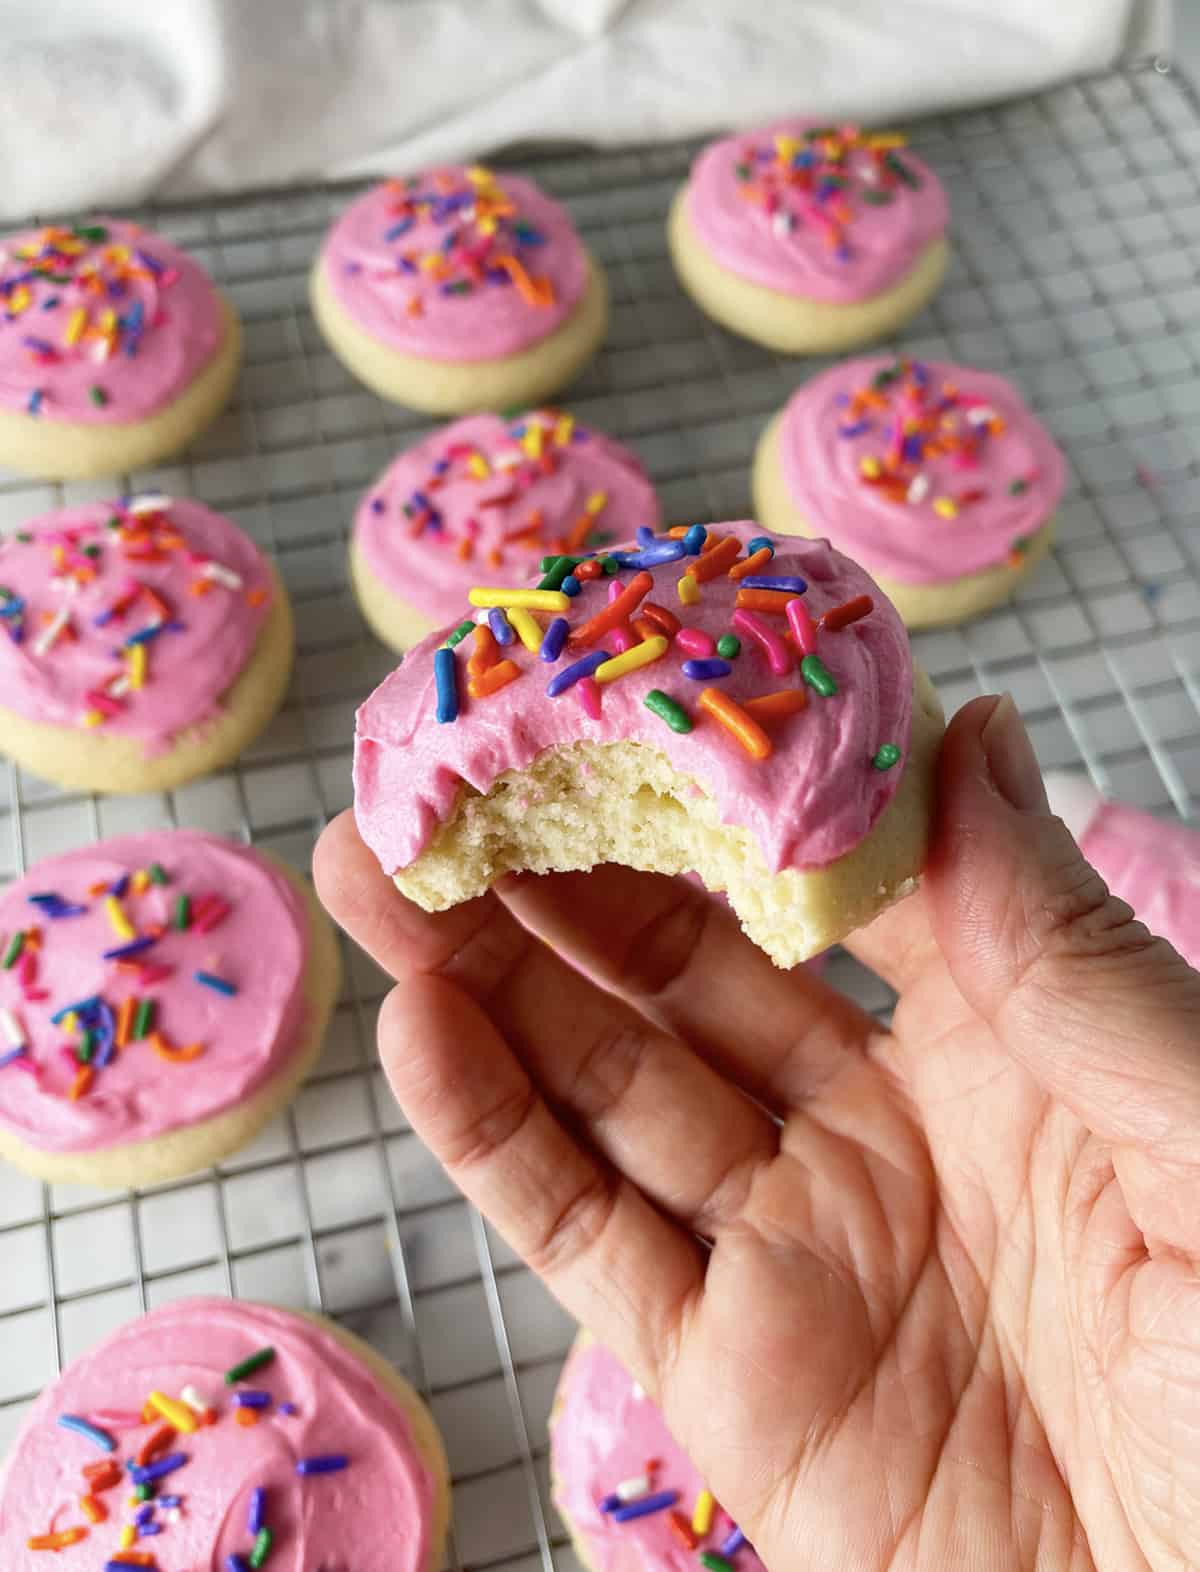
(920, 605)
(591, 803)
(457, 387)
(390, 618)
(795, 324)
(93, 760)
(195, 1147)
(68, 450)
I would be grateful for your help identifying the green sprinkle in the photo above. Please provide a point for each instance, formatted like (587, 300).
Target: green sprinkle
(15, 945)
(86, 1043)
(97, 395)
(742, 171)
(91, 551)
(548, 562)
(556, 573)
(158, 874)
(96, 232)
(460, 633)
(899, 168)
(183, 910)
(714, 1562)
(874, 196)
(262, 1547)
(112, 523)
(817, 675)
(248, 1366)
(728, 646)
(143, 1020)
(610, 565)
(888, 755)
(144, 1492)
(1017, 486)
(669, 710)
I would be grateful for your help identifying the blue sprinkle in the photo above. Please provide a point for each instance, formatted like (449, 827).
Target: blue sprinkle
(758, 543)
(570, 586)
(734, 1543)
(445, 674)
(10, 1055)
(159, 1469)
(80, 1007)
(235, 1564)
(170, 1501)
(706, 670)
(610, 1503)
(377, 505)
(91, 1432)
(645, 1506)
(570, 675)
(331, 1463)
(35, 401)
(645, 535)
(258, 1508)
(793, 584)
(653, 556)
(855, 430)
(148, 1530)
(288, 1408)
(119, 886)
(501, 627)
(252, 1399)
(217, 984)
(145, 1513)
(553, 639)
(693, 541)
(134, 947)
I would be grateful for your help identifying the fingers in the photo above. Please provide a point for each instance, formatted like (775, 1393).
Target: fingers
(680, 957)
(619, 1266)
(669, 1121)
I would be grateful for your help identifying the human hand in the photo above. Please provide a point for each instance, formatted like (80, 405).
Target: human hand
(947, 1311)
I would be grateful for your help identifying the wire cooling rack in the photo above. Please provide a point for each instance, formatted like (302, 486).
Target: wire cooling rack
(1076, 217)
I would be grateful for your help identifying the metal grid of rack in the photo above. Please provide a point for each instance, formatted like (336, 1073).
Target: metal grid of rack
(1076, 216)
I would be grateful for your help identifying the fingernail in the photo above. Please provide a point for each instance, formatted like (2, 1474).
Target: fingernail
(1011, 760)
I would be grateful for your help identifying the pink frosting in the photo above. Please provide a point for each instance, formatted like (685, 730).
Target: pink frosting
(168, 562)
(374, 1514)
(939, 472)
(103, 324)
(244, 1037)
(768, 206)
(418, 264)
(604, 1433)
(486, 496)
(815, 796)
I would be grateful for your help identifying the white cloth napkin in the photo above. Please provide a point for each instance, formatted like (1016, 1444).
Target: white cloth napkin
(109, 102)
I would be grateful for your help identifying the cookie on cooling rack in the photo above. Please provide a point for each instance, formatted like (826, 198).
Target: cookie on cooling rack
(938, 478)
(810, 239)
(1149, 862)
(225, 1435)
(487, 497)
(116, 349)
(459, 289)
(629, 1496)
(713, 700)
(147, 1026)
(143, 642)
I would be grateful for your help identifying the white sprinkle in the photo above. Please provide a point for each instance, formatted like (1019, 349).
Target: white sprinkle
(781, 223)
(149, 502)
(631, 1489)
(918, 490)
(981, 415)
(44, 642)
(172, 1514)
(222, 575)
(118, 687)
(867, 173)
(193, 1400)
(639, 1392)
(11, 1028)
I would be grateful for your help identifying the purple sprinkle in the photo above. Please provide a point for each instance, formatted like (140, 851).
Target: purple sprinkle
(706, 670)
(134, 947)
(252, 1399)
(258, 1508)
(170, 1501)
(645, 1506)
(288, 1408)
(158, 1469)
(235, 1564)
(10, 1056)
(500, 626)
(734, 1543)
(856, 430)
(610, 1503)
(570, 675)
(554, 638)
(148, 1530)
(377, 504)
(145, 1513)
(330, 1463)
(793, 584)
(119, 887)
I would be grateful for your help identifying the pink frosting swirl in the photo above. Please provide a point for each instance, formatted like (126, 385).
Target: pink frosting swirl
(604, 1432)
(922, 470)
(827, 214)
(456, 264)
(813, 798)
(321, 1402)
(489, 496)
(60, 913)
(102, 324)
(81, 590)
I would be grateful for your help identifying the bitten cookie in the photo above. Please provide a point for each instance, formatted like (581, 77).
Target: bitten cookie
(215, 1434)
(116, 349)
(631, 1500)
(1150, 862)
(715, 700)
(161, 997)
(143, 643)
(938, 478)
(486, 496)
(810, 239)
(459, 289)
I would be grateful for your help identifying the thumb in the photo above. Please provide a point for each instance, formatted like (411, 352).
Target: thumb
(1103, 1015)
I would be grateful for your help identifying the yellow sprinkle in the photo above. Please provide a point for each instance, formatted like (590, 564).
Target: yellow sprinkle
(93, 718)
(119, 253)
(134, 1504)
(532, 442)
(128, 1537)
(786, 146)
(871, 468)
(140, 882)
(596, 501)
(70, 1022)
(118, 922)
(137, 666)
(702, 1513)
(531, 600)
(19, 300)
(479, 175)
(640, 655)
(75, 325)
(946, 506)
(886, 139)
(478, 466)
(487, 226)
(689, 590)
(564, 428)
(177, 1414)
(430, 261)
(108, 322)
(528, 630)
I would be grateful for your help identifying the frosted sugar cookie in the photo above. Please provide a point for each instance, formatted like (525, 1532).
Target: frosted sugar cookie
(116, 349)
(459, 289)
(146, 1028)
(938, 478)
(486, 496)
(143, 642)
(714, 700)
(810, 239)
(226, 1436)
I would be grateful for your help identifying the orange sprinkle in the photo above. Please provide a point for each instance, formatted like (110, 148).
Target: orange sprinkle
(255, 597)
(492, 680)
(678, 531)
(710, 563)
(125, 1019)
(839, 617)
(711, 541)
(168, 1051)
(246, 1417)
(618, 610)
(576, 537)
(645, 629)
(590, 569)
(486, 652)
(533, 291)
(776, 706)
(101, 1476)
(666, 621)
(59, 1541)
(751, 564)
(156, 1443)
(82, 1083)
(95, 1511)
(682, 1530)
(466, 549)
(736, 722)
(775, 601)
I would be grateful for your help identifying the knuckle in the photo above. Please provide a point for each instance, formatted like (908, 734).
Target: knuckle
(576, 1227)
(607, 1070)
(489, 1131)
(659, 953)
